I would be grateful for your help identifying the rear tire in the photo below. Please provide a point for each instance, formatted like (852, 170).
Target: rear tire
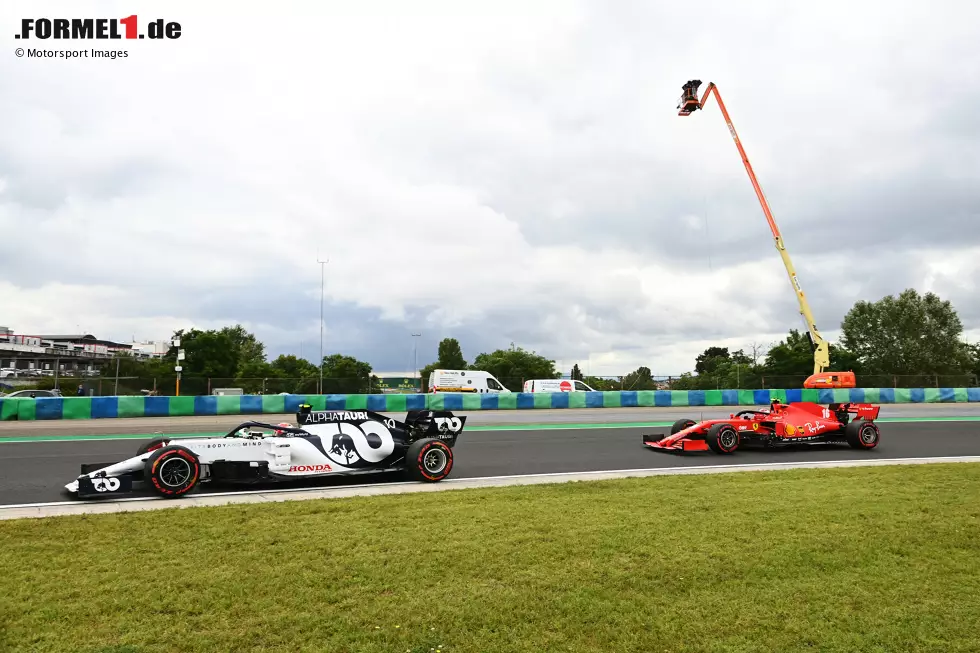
(172, 471)
(681, 424)
(861, 434)
(723, 438)
(428, 460)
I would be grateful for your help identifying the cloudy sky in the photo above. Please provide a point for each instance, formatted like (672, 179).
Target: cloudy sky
(493, 171)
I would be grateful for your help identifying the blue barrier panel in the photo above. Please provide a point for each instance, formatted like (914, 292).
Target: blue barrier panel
(629, 399)
(251, 405)
(729, 397)
(794, 395)
(856, 395)
(886, 396)
(454, 401)
(559, 400)
(334, 402)
(105, 407)
(761, 397)
(661, 399)
(377, 403)
(156, 407)
(695, 398)
(205, 405)
(489, 401)
(525, 400)
(826, 396)
(415, 402)
(593, 399)
(973, 394)
(947, 394)
(48, 408)
(917, 395)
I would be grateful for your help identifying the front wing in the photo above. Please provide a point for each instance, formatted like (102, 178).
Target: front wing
(673, 445)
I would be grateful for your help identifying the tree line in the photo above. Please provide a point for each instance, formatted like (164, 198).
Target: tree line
(912, 340)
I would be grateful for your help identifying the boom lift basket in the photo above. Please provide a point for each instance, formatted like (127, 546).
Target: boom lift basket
(689, 98)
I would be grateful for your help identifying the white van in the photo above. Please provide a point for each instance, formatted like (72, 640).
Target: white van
(464, 381)
(556, 385)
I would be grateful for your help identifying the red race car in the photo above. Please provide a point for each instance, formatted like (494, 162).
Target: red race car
(782, 424)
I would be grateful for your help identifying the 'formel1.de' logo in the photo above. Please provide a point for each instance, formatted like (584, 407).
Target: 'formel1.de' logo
(95, 28)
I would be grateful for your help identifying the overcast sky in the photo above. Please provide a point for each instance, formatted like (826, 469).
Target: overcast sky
(492, 171)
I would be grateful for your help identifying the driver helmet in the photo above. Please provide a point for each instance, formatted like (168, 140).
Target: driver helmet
(284, 424)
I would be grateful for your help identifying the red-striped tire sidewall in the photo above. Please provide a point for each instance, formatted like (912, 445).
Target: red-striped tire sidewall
(167, 454)
(449, 460)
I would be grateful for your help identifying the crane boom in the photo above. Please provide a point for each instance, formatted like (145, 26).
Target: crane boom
(690, 103)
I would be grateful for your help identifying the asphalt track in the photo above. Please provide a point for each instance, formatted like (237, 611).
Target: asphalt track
(224, 423)
(33, 472)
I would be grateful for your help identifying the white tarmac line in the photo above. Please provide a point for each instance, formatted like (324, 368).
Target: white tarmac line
(62, 508)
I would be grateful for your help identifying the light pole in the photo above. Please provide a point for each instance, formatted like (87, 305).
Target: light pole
(320, 386)
(415, 350)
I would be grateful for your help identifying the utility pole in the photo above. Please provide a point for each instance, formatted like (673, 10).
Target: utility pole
(320, 386)
(415, 349)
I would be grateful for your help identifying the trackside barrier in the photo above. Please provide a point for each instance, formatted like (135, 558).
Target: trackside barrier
(45, 408)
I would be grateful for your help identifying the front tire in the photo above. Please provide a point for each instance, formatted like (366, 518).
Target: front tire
(723, 438)
(862, 435)
(429, 460)
(681, 424)
(172, 471)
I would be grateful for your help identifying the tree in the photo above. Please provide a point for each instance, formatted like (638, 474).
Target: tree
(639, 379)
(345, 375)
(577, 374)
(293, 367)
(451, 355)
(249, 352)
(707, 361)
(908, 335)
(515, 365)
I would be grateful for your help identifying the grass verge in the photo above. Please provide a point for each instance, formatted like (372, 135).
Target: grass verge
(869, 559)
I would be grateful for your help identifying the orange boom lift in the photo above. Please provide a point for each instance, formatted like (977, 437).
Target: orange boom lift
(820, 378)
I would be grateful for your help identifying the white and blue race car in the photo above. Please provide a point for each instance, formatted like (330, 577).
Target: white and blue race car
(324, 443)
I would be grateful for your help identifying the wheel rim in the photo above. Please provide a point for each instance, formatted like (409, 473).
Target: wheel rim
(868, 435)
(434, 461)
(727, 438)
(175, 472)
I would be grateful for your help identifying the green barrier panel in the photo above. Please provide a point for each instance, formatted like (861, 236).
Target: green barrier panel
(508, 401)
(842, 395)
(435, 402)
(959, 395)
(229, 404)
(872, 395)
(713, 398)
(542, 400)
(131, 407)
(576, 400)
(810, 395)
(8, 409)
(746, 397)
(611, 399)
(470, 401)
(680, 398)
(76, 408)
(903, 395)
(399, 403)
(317, 402)
(274, 404)
(778, 395)
(644, 398)
(181, 406)
(932, 395)
(356, 402)
(25, 408)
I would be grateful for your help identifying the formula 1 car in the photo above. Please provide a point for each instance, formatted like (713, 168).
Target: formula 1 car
(780, 425)
(325, 443)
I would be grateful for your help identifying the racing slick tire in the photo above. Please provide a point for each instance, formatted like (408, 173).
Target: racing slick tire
(172, 471)
(723, 438)
(681, 424)
(428, 460)
(152, 445)
(861, 434)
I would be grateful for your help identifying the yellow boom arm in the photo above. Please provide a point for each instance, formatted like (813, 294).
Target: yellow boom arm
(688, 104)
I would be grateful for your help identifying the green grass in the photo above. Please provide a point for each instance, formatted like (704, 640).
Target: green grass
(868, 559)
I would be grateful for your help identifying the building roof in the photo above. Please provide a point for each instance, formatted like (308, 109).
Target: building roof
(88, 339)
